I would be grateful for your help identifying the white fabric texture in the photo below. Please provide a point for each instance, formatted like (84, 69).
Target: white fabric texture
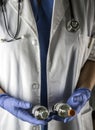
(20, 71)
(92, 54)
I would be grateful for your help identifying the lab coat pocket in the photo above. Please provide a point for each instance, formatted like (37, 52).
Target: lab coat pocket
(86, 119)
(70, 37)
(86, 44)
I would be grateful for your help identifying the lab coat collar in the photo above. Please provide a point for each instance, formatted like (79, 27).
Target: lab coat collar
(28, 16)
(60, 6)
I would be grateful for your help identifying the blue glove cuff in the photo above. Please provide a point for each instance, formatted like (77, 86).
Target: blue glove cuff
(2, 98)
(85, 91)
(3, 94)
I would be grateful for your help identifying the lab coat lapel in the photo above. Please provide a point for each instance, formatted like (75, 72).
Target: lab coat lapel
(26, 13)
(58, 15)
(59, 9)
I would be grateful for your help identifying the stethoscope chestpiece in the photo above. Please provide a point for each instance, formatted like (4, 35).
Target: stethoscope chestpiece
(72, 26)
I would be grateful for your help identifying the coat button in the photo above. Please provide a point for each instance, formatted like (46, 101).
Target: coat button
(34, 42)
(35, 128)
(35, 86)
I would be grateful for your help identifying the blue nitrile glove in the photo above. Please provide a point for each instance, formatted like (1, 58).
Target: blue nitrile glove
(20, 109)
(77, 100)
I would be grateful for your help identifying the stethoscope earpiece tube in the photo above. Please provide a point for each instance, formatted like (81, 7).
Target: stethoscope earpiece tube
(2, 2)
(10, 34)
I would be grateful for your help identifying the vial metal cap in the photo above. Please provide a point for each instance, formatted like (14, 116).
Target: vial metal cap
(40, 112)
(71, 112)
(73, 26)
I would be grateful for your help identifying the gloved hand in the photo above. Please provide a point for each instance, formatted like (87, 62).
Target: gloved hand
(77, 100)
(19, 109)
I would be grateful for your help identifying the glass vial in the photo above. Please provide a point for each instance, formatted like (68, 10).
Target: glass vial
(63, 110)
(40, 112)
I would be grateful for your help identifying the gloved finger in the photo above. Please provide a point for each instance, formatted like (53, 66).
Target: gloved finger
(74, 101)
(78, 98)
(68, 119)
(22, 104)
(25, 116)
(55, 117)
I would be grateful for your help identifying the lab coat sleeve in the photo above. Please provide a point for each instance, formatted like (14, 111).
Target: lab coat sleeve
(92, 53)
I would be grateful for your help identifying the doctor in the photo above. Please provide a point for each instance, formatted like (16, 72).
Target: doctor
(47, 54)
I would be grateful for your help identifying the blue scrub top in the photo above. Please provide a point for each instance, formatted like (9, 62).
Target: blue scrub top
(43, 15)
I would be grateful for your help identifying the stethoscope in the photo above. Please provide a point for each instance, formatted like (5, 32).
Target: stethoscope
(13, 36)
(72, 25)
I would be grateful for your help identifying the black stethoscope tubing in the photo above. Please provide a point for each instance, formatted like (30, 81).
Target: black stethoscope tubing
(72, 25)
(6, 22)
(71, 9)
(11, 35)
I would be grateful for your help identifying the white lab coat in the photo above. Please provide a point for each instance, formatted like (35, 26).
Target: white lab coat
(20, 70)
